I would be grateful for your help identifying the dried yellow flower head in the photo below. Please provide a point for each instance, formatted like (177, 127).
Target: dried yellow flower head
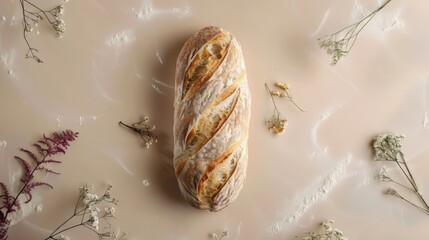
(277, 124)
(282, 86)
(277, 94)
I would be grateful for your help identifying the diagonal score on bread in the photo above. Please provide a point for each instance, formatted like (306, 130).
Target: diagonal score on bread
(212, 114)
(183, 111)
(204, 63)
(217, 173)
(190, 48)
(203, 130)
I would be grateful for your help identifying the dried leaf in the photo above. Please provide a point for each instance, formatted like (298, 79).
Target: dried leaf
(32, 186)
(31, 155)
(27, 170)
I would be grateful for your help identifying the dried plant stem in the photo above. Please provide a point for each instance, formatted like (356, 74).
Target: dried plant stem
(272, 99)
(68, 219)
(413, 204)
(403, 166)
(127, 126)
(143, 130)
(388, 148)
(31, 15)
(402, 185)
(85, 215)
(277, 123)
(30, 52)
(64, 223)
(353, 30)
(339, 44)
(52, 236)
(414, 188)
(412, 181)
(294, 103)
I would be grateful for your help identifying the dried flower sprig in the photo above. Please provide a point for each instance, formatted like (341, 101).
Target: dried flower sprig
(388, 147)
(216, 236)
(144, 131)
(277, 122)
(325, 232)
(87, 214)
(47, 148)
(32, 15)
(339, 44)
(284, 92)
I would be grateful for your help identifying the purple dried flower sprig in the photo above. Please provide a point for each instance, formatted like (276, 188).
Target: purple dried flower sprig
(47, 147)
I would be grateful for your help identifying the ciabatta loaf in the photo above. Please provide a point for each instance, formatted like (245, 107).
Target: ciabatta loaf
(212, 114)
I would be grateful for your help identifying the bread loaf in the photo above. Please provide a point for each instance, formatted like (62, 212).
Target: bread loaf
(211, 122)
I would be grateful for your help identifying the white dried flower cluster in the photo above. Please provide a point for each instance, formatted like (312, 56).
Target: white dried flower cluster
(144, 131)
(93, 220)
(391, 191)
(336, 48)
(216, 236)
(32, 15)
(383, 176)
(58, 24)
(62, 237)
(57, 11)
(53, 17)
(387, 146)
(326, 232)
(85, 189)
(89, 214)
(339, 44)
(90, 199)
(110, 211)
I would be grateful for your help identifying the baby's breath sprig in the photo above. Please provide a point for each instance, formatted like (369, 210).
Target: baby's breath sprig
(388, 147)
(32, 14)
(87, 214)
(339, 44)
(277, 123)
(144, 131)
(325, 232)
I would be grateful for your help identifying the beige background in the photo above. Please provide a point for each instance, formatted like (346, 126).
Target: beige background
(320, 168)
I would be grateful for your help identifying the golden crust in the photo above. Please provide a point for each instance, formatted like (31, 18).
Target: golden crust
(212, 114)
(204, 64)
